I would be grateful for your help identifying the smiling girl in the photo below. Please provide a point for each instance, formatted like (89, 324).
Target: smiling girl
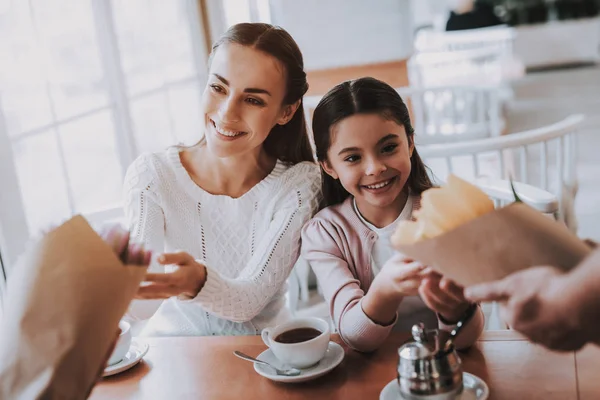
(372, 178)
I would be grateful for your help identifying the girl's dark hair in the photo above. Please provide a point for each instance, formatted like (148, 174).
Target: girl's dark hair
(362, 96)
(290, 142)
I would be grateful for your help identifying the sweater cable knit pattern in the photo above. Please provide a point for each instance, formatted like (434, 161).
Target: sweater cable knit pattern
(249, 244)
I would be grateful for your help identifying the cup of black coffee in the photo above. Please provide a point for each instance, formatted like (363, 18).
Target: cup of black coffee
(300, 343)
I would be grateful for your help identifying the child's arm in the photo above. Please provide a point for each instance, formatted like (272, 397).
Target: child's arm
(399, 277)
(342, 290)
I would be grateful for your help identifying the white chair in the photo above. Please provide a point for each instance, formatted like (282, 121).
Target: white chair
(450, 113)
(498, 190)
(463, 67)
(543, 157)
(309, 103)
(446, 113)
(500, 37)
(298, 285)
(469, 56)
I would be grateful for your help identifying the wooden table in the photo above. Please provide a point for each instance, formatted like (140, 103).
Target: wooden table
(205, 368)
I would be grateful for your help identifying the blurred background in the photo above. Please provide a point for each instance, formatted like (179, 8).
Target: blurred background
(87, 85)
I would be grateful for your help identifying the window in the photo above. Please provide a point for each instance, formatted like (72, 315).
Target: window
(86, 86)
(224, 13)
(237, 11)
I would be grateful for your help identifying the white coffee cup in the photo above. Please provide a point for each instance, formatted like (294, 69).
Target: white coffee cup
(301, 354)
(123, 343)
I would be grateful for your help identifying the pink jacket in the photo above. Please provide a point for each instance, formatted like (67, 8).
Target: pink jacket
(338, 247)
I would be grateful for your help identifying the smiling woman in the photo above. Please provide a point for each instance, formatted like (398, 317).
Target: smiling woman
(243, 104)
(234, 203)
(262, 82)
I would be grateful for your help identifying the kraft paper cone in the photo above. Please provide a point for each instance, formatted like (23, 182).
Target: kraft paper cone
(63, 303)
(497, 244)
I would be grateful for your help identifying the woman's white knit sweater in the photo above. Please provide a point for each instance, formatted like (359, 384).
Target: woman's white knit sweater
(249, 244)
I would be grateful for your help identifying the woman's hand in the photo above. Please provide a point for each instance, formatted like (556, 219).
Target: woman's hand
(444, 297)
(187, 280)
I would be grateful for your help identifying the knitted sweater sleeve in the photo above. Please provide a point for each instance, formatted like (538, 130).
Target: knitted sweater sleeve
(143, 211)
(145, 220)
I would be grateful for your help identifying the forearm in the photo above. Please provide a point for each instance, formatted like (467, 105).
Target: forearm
(359, 331)
(237, 300)
(380, 308)
(581, 291)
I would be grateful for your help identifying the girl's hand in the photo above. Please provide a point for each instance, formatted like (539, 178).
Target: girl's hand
(187, 280)
(398, 278)
(444, 297)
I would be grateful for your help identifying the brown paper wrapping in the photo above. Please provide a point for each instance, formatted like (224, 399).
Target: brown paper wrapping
(499, 243)
(63, 303)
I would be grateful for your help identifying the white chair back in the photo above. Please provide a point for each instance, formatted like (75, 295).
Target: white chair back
(446, 113)
(462, 67)
(471, 56)
(450, 113)
(543, 157)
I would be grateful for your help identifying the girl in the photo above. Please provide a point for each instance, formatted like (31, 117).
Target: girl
(234, 203)
(372, 178)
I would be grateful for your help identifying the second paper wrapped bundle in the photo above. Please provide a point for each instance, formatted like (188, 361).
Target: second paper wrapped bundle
(459, 233)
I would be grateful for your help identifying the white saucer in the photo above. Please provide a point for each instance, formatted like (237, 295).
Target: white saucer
(474, 388)
(333, 357)
(135, 354)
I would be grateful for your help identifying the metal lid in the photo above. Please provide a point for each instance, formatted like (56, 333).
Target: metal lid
(414, 351)
(426, 344)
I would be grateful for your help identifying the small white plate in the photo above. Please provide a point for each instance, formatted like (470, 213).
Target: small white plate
(474, 388)
(333, 357)
(136, 352)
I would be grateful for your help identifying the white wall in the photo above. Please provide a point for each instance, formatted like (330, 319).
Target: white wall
(336, 33)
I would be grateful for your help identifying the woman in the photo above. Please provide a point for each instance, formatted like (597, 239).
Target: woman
(234, 203)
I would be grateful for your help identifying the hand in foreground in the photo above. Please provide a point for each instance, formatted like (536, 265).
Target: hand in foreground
(533, 303)
(118, 239)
